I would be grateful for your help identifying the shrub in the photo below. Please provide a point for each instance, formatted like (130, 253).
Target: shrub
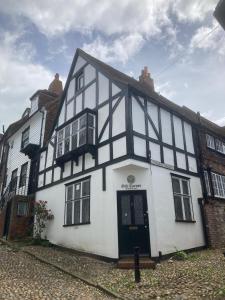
(180, 255)
(42, 215)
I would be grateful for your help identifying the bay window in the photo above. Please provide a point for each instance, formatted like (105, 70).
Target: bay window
(76, 134)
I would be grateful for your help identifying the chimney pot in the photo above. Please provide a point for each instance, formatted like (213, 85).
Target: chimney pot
(146, 79)
(56, 85)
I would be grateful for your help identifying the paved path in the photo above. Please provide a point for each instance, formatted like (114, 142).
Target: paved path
(23, 277)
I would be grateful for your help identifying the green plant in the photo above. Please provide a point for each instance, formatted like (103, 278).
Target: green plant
(180, 255)
(42, 215)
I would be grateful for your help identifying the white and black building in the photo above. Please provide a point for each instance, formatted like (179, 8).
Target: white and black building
(120, 169)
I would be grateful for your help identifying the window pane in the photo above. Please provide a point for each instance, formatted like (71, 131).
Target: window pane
(74, 141)
(69, 206)
(60, 147)
(82, 137)
(185, 187)
(187, 208)
(90, 135)
(67, 145)
(77, 192)
(90, 120)
(86, 210)
(75, 127)
(86, 188)
(77, 212)
(67, 131)
(70, 192)
(22, 208)
(176, 185)
(60, 135)
(178, 208)
(83, 122)
(126, 211)
(138, 210)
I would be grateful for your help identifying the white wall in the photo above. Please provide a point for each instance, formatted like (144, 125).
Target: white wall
(15, 158)
(101, 236)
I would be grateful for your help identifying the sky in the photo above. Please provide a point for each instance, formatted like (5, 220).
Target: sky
(180, 41)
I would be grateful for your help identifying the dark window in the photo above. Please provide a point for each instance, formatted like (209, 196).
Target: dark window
(25, 138)
(182, 199)
(78, 203)
(80, 81)
(22, 209)
(23, 175)
(13, 184)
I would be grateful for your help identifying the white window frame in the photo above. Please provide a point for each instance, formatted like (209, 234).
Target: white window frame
(182, 195)
(218, 182)
(25, 209)
(82, 197)
(80, 130)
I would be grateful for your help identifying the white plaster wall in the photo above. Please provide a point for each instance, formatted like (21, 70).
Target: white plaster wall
(89, 74)
(138, 117)
(101, 236)
(178, 131)
(90, 96)
(118, 119)
(103, 88)
(15, 158)
(166, 127)
(79, 64)
(171, 234)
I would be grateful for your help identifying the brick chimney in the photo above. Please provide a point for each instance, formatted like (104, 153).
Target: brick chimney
(146, 78)
(56, 85)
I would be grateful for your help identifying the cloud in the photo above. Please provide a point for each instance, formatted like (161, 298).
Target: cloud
(209, 38)
(120, 49)
(20, 77)
(193, 10)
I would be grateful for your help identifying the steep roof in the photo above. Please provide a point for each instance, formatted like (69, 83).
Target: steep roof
(124, 79)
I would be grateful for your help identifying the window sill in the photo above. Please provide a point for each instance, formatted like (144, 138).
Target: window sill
(77, 224)
(185, 221)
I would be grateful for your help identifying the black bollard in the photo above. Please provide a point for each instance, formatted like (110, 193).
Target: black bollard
(137, 265)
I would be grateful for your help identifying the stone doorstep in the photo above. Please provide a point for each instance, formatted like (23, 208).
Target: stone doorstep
(128, 263)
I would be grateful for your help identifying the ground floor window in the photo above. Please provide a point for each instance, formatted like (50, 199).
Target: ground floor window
(22, 209)
(77, 210)
(182, 199)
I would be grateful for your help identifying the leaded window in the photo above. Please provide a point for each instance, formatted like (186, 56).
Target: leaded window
(78, 203)
(76, 134)
(182, 199)
(22, 209)
(206, 176)
(23, 175)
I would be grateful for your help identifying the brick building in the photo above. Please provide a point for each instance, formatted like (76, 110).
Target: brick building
(19, 161)
(212, 161)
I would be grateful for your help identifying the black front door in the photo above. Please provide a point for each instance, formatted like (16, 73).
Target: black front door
(133, 226)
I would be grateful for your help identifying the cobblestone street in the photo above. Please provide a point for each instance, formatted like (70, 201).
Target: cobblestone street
(23, 277)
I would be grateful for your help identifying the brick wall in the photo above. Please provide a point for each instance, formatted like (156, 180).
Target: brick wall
(20, 226)
(215, 222)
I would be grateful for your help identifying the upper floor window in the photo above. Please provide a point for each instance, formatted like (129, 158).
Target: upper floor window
(78, 203)
(76, 134)
(23, 175)
(80, 81)
(182, 199)
(218, 182)
(25, 138)
(210, 141)
(215, 144)
(207, 184)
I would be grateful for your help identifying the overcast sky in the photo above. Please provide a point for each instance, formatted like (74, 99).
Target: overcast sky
(39, 38)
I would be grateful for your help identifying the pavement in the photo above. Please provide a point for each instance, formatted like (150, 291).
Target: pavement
(23, 277)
